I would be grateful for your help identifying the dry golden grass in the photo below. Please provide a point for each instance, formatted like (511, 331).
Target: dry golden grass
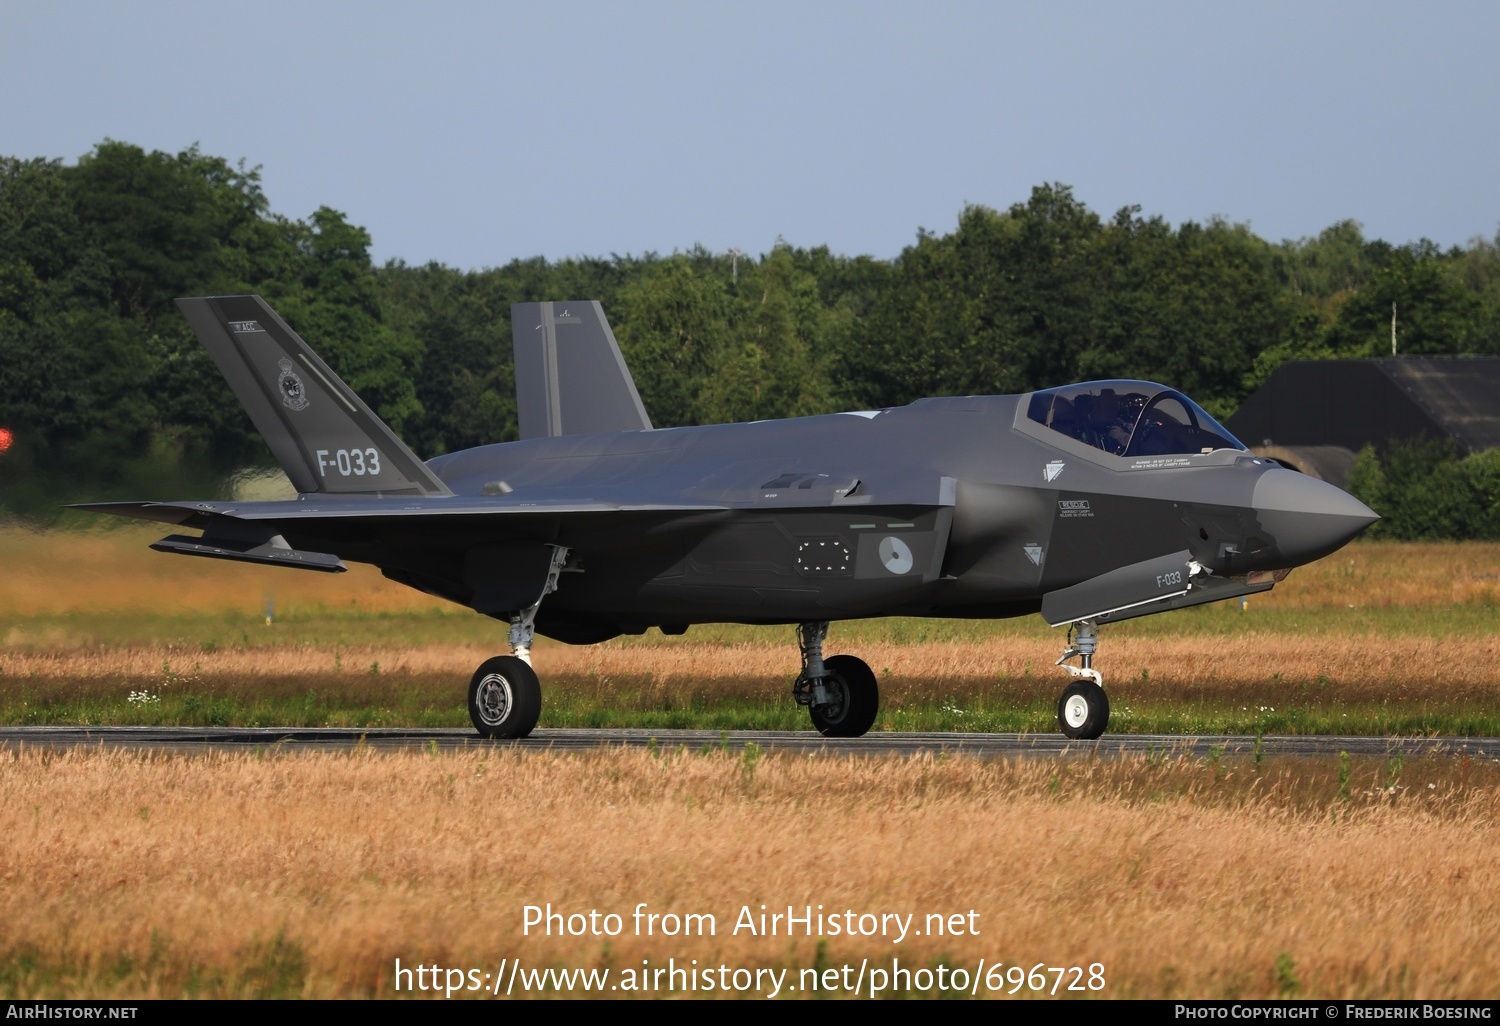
(131, 875)
(1391, 574)
(1364, 668)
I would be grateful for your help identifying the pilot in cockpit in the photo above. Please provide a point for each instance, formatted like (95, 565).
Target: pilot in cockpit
(1143, 419)
(1110, 422)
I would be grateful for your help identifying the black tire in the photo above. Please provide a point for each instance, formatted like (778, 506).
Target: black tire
(1083, 710)
(856, 698)
(505, 698)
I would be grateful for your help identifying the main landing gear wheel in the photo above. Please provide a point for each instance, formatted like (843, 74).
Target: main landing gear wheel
(505, 698)
(1083, 710)
(854, 698)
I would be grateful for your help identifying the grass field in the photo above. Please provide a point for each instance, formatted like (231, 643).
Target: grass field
(131, 875)
(1379, 638)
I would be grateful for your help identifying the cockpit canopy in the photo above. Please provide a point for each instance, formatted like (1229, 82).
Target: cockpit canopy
(1130, 418)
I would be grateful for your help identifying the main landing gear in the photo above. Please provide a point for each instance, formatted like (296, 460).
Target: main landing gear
(1083, 709)
(840, 692)
(505, 696)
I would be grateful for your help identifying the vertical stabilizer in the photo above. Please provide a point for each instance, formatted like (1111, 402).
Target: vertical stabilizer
(323, 436)
(570, 376)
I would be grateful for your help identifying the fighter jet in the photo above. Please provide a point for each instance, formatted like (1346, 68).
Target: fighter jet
(1089, 503)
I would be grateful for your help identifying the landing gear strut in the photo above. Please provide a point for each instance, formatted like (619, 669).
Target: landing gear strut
(840, 692)
(1083, 709)
(505, 696)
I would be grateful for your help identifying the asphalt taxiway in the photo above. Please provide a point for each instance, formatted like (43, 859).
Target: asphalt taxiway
(295, 739)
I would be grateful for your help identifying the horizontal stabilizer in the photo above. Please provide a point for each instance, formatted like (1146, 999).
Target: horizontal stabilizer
(570, 376)
(273, 552)
(325, 438)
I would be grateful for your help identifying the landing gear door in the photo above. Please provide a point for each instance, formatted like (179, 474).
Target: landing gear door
(506, 577)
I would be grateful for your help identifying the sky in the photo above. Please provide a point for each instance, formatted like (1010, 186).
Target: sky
(474, 133)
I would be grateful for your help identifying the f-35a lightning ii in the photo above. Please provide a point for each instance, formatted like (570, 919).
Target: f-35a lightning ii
(1090, 503)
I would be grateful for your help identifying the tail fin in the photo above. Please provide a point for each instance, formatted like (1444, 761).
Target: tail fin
(570, 376)
(323, 436)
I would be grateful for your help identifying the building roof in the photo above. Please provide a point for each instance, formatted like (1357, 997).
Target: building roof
(1460, 393)
(1354, 403)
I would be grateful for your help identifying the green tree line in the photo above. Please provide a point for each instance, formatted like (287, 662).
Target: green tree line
(1427, 491)
(107, 393)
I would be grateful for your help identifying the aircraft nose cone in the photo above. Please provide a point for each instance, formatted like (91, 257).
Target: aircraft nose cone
(1305, 518)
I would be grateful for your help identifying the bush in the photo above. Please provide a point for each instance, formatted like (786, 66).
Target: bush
(1423, 490)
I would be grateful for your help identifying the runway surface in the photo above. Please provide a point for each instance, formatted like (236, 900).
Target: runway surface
(295, 739)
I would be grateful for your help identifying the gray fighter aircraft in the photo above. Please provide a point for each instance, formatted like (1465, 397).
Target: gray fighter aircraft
(1090, 503)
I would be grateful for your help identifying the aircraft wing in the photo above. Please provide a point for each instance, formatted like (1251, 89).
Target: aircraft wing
(202, 514)
(370, 529)
(729, 490)
(319, 531)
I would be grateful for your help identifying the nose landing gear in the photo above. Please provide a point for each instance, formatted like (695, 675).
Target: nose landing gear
(1083, 709)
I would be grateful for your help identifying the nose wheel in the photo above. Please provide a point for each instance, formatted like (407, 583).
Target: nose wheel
(1083, 709)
